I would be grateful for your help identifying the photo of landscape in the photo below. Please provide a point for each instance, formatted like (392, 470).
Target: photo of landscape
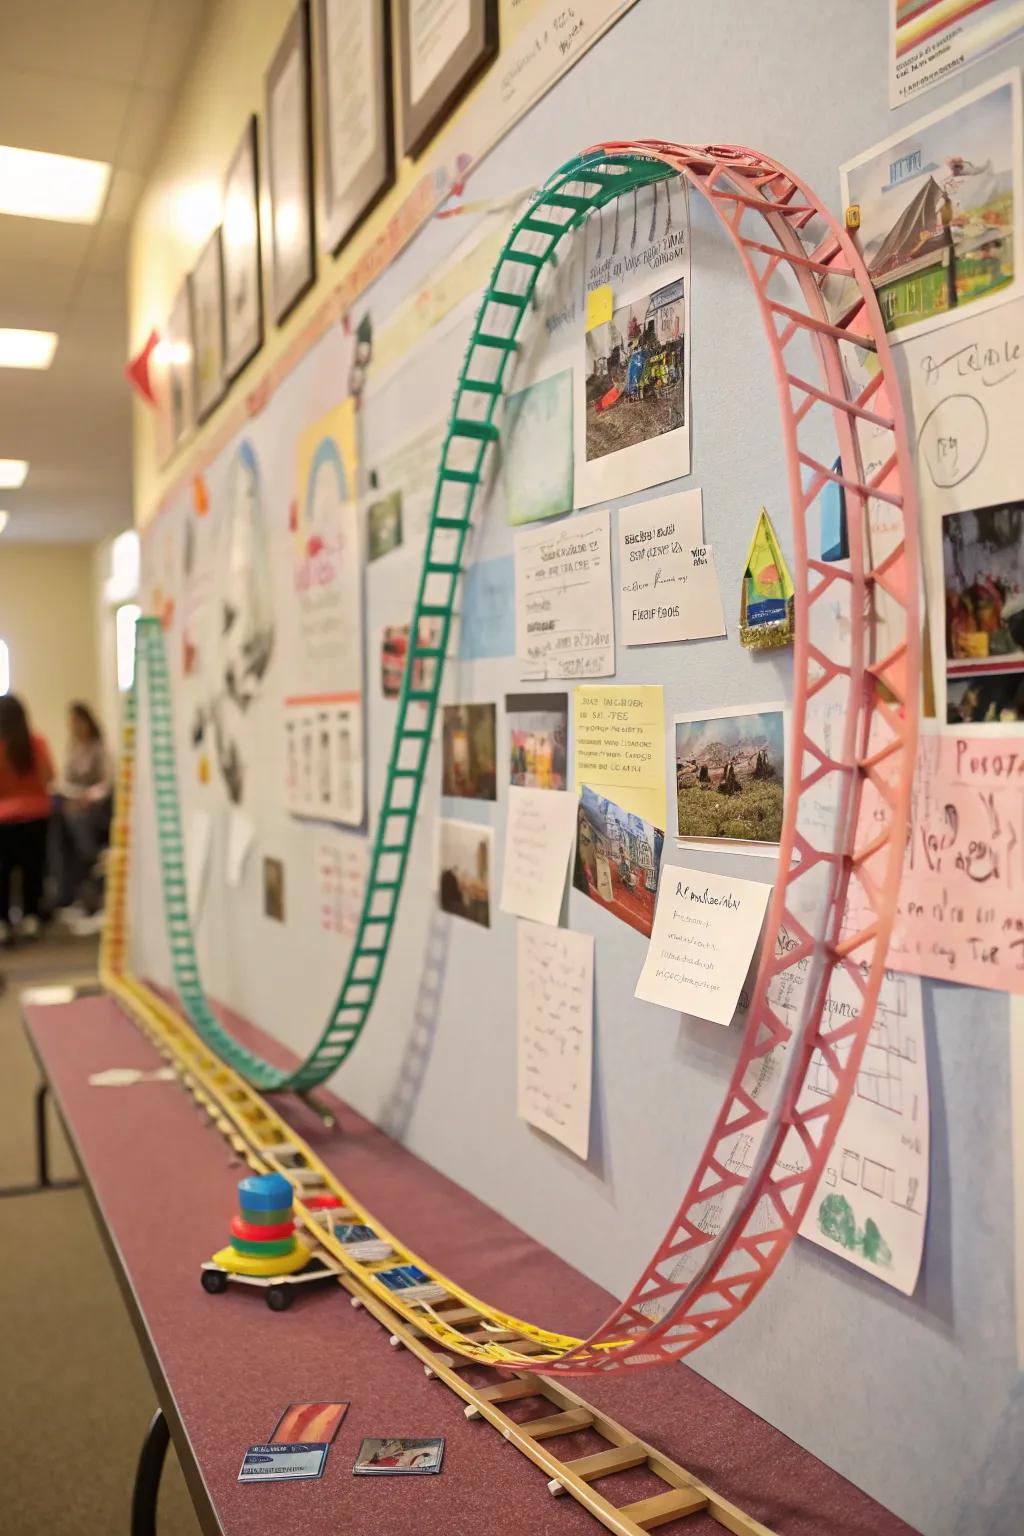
(730, 772)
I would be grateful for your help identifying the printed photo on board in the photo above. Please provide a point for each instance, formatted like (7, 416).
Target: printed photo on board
(273, 889)
(985, 698)
(464, 870)
(983, 569)
(538, 728)
(618, 856)
(394, 648)
(469, 751)
(384, 526)
(635, 378)
(938, 207)
(730, 771)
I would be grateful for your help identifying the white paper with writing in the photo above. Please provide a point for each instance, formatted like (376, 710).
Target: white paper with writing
(538, 843)
(555, 1026)
(241, 832)
(668, 586)
(705, 930)
(564, 623)
(1017, 1155)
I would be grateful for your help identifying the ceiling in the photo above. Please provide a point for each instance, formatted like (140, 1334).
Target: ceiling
(97, 79)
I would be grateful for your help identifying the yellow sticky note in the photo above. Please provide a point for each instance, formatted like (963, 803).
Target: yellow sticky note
(619, 746)
(599, 306)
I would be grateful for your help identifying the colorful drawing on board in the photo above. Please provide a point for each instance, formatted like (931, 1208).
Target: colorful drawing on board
(469, 751)
(730, 776)
(838, 1223)
(766, 604)
(938, 205)
(537, 450)
(618, 857)
(636, 383)
(384, 526)
(538, 728)
(464, 870)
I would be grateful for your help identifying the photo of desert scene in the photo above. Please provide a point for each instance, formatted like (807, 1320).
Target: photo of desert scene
(636, 386)
(729, 777)
(936, 212)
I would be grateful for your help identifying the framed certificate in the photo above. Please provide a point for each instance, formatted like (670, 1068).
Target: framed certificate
(240, 255)
(443, 46)
(289, 167)
(357, 142)
(206, 299)
(180, 394)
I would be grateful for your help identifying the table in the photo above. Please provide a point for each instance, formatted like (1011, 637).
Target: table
(163, 1190)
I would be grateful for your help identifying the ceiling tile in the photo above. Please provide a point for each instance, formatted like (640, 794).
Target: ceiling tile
(43, 240)
(66, 117)
(147, 116)
(175, 26)
(33, 292)
(101, 40)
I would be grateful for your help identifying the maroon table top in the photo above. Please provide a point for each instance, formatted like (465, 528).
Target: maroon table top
(225, 1367)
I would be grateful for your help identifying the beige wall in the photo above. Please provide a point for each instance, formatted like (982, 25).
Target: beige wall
(47, 618)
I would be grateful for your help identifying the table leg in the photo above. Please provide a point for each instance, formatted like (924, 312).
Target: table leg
(43, 1180)
(147, 1476)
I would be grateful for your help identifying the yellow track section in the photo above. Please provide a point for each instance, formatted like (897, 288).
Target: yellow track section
(459, 1322)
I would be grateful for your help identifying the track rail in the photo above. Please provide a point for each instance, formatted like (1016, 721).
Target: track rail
(854, 718)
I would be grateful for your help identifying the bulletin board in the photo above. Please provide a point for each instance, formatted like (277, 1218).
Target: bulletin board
(928, 1419)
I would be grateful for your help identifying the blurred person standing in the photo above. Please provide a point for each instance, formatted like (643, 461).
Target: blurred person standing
(26, 778)
(81, 827)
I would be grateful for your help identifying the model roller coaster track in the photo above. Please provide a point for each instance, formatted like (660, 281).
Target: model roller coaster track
(766, 1152)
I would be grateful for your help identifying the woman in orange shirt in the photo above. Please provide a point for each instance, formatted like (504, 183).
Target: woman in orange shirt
(26, 774)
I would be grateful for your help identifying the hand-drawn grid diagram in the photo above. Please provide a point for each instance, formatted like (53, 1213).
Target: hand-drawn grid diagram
(892, 1048)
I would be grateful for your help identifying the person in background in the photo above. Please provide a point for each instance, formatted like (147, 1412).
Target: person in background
(26, 777)
(82, 823)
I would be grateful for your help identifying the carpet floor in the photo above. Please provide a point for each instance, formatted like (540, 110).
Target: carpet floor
(76, 1396)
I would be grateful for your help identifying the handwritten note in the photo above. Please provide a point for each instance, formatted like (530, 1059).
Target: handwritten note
(960, 914)
(538, 841)
(668, 587)
(967, 398)
(555, 1027)
(619, 736)
(564, 624)
(705, 930)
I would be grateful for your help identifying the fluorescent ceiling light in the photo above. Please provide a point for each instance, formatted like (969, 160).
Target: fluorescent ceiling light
(41, 186)
(12, 473)
(27, 349)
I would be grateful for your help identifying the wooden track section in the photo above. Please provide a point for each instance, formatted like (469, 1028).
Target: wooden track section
(849, 776)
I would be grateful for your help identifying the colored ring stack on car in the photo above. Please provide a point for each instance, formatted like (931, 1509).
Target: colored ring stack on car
(263, 1240)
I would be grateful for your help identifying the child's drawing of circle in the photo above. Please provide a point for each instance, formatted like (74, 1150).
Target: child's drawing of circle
(953, 439)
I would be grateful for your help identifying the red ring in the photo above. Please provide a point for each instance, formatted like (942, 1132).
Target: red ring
(256, 1234)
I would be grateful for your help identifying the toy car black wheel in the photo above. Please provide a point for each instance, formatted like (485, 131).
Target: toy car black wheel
(279, 1298)
(214, 1281)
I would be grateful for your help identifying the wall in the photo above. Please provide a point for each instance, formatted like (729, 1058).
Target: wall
(917, 1399)
(47, 618)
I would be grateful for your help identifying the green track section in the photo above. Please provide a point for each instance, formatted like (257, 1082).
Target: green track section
(561, 206)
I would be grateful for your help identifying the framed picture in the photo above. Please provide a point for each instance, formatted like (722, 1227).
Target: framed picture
(357, 141)
(206, 297)
(289, 166)
(180, 395)
(240, 255)
(443, 47)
